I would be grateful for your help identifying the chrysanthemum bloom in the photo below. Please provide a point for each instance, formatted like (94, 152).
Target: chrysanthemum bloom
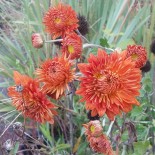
(55, 74)
(110, 83)
(60, 19)
(83, 25)
(30, 100)
(92, 118)
(138, 55)
(37, 40)
(72, 46)
(146, 67)
(93, 128)
(101, 144)
(152, 46)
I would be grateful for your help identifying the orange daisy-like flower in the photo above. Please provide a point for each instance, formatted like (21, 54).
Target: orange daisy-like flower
(138, 55)
(93, 128)
(72, 46)
(110, 83)
(101, 144)
(55, 73)
(60, 19)
(30, 100)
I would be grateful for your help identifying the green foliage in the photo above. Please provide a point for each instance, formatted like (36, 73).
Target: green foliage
(115, 20)
(104, 42)
(112, 24)
(140, 147)
(46, 132)
(15, 149)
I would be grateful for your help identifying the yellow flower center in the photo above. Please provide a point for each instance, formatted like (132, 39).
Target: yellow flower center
(98, 75)
(57, 20)
(70, 49)
(92, 128)
(107, 82)
(134, 56)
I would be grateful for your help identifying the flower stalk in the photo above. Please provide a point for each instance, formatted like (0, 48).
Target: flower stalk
(53, 41)
(87, 45)
(96, 46)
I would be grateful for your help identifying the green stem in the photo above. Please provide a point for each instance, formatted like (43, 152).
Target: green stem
(97, 46)
(53, 41)
(87, 45)
(110, 127)
(124, 150)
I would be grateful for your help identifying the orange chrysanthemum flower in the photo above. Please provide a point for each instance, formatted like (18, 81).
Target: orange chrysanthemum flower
(138, 55)
(101, 144)
(55, 73)
(93, 128)
(30, 100)
(60, 19)
(110, 83)
(72, 46)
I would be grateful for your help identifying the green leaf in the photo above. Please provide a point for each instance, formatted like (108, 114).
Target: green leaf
(136, 111)
(60, 147)
(15, 149)
(82, 148)
(46, 132)
(148, 88)
(104, 42)
(141, 147)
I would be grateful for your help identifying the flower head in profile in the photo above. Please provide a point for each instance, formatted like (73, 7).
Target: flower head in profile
(60, 19)
(55, 74)
(152, 46)
(37, 40)
(30, 100)
(72, 46)
(138, 55)
(146, 67)
(110, 83)
(83, 25)
(93, 128)
(101, 144)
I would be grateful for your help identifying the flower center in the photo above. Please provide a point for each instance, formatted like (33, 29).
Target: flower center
(57, 20)
(70, 49)
(53, 68)
(107, 82)
(92, 128)
(98, 75)
(134, 56)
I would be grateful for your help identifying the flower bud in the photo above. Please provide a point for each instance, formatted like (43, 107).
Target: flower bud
(37, 40)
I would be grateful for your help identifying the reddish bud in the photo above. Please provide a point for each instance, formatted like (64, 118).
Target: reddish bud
(37, 40)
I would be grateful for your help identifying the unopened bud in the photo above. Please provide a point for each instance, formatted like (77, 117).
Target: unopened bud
(37, 40)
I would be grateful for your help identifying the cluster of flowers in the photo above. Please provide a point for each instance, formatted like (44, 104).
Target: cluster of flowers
(98, 141)
(109, 84)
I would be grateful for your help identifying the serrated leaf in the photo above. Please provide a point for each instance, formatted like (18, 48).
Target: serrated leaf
(141, 147)
(148, 88)
(104, 42)
(136, 111)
